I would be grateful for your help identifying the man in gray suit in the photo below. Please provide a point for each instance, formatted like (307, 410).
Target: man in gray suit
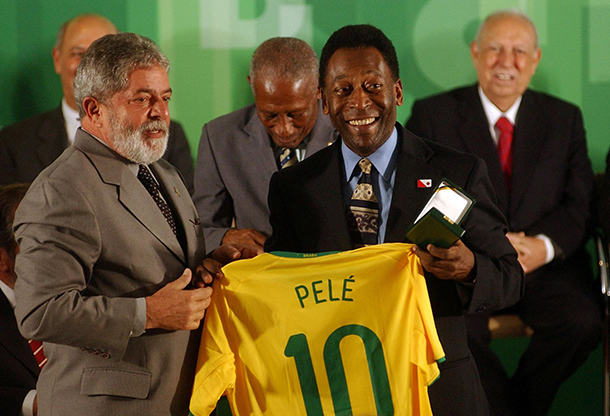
(239, 152)
(109, 238)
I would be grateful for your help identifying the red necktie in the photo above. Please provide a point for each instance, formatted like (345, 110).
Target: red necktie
(38, 352)
(505, 147)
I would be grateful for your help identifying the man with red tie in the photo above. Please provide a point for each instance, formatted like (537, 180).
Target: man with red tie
(20, 363)
(536, 154)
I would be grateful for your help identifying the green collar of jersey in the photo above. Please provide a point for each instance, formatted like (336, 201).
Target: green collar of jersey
(292, 255)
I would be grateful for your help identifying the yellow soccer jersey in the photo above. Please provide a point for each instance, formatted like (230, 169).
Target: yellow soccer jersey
(336, 334)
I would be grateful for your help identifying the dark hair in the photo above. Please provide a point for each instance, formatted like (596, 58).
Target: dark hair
(10, 197)
(359, 36)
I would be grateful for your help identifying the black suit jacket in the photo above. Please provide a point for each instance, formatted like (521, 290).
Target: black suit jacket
(308, 214)
(18, 367)
(29, 146)
(552, 183)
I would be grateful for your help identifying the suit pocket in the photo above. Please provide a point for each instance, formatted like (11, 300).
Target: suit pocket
(115, 382)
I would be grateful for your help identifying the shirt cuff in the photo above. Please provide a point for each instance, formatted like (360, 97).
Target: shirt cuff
(139, 320)
(550, 250)
(27, 408)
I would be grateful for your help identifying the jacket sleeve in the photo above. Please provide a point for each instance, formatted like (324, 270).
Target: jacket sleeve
(60, 242)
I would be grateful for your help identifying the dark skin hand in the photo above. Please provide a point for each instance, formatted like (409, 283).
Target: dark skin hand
(453, 263)
(247, 236)
(226, 253)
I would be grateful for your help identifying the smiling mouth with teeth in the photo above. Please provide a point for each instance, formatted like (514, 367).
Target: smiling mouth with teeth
(504, 76)
(362, 122)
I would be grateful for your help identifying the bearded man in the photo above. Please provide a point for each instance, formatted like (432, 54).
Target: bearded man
(109, 240)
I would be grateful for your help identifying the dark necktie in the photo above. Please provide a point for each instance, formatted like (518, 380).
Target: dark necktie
(287, 158)
(36, 347)
(505, 148)
(363, 214)
(152, 187)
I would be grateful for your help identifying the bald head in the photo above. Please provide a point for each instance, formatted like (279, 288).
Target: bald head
(73, 40)
(506, 15)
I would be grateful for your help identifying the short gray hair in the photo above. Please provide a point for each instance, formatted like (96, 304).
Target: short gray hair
(514, 13)
(289, 58)
(106, 66)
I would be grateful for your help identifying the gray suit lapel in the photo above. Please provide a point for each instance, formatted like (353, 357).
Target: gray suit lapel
(113, 170)
(182, 207)
(322, 135)
(259, 144)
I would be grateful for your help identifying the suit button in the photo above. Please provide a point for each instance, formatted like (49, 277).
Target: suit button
(480, 309)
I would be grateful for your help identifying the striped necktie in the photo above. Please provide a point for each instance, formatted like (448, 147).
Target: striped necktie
(287, 157)
(38, 352)
(363, 213)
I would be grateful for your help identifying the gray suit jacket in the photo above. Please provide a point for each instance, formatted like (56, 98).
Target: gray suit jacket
(92, 241)
(234, 165)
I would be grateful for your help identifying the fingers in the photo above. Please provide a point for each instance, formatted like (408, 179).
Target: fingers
(181, 282)
(454, 263)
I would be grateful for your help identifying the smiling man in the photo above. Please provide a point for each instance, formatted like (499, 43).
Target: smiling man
(313, 204)
(109, 239)
(536, 153)
(239, 152)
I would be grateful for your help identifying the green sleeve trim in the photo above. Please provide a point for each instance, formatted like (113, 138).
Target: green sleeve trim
(435, 380)
(441, 360)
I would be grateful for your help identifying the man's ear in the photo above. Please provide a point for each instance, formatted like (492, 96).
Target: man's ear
(56, 56)
(324, 102)
(93, 110)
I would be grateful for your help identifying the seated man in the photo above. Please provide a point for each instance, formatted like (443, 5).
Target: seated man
(29, 146)
(535, 149)
(239, 152)
(19, 368)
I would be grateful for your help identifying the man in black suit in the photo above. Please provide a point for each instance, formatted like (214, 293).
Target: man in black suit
(29, 146)
(18, 367)
(309, 203)
(545, 192)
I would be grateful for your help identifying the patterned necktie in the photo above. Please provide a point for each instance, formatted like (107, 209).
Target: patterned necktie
(363, 214)
(36, 347)
(152, 187)
(287, 158)
(505, 148)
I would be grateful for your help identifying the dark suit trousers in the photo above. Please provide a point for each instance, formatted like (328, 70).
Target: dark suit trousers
(563, 309)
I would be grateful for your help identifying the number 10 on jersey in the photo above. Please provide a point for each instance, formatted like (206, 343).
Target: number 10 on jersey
(298, 348)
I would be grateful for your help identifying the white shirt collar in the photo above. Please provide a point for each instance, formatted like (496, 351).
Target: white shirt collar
(71, 119)
(493, 113)
(9, 293)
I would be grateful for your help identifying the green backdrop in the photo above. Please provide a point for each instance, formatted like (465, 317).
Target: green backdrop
(209, 43)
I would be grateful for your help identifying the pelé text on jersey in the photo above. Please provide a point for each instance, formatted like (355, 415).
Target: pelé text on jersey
(320, 291)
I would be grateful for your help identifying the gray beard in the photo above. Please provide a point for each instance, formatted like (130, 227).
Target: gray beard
(131, 142)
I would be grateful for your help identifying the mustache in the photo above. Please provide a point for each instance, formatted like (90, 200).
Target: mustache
(160, 125)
